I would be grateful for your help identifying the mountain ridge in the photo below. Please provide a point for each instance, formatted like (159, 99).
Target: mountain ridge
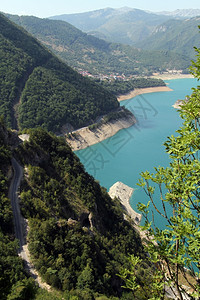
(182, 13)
(97, 56)
(137, 27)
(106, 21)
(51, 93)
(178, 35)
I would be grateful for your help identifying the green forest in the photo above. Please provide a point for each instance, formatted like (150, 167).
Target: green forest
(86, 52)
(123, 87)
(78, 237)
(14, 282)
(37, 89)
(180, 36)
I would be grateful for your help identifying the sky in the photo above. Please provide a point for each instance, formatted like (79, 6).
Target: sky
(47, 8)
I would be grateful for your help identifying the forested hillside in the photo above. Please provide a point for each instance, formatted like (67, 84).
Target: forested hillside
(174, 35)
(123, 87)
(78, 237)
(13, 278)
(168, 31)
(37, 89)
(86, 52)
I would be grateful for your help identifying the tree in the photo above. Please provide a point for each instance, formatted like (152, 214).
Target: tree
(174, 251)
(23, 290)
(86, 279)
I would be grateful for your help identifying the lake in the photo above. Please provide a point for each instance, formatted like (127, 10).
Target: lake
(139, 148)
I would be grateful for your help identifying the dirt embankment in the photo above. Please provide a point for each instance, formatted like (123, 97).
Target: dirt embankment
(87, 136)
(137, 92)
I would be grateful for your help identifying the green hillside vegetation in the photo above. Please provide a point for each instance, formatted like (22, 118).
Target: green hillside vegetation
(86, 52)
(140, 29)
(14, 282)
(47, 91)
(123, 87)
(78, 237)
(174, 35)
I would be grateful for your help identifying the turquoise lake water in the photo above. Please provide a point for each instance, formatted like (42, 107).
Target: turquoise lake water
(139, 148)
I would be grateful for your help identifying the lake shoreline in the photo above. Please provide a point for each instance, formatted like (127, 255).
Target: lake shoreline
(85, 137)
(141, 91)
(164, 76)
(171, 76)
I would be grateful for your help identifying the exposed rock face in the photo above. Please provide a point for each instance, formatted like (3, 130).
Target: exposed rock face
(24, 137)
(123, 192)
(84, 137)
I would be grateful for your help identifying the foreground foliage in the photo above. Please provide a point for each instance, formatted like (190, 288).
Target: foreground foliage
(78, 237)
(174, 194)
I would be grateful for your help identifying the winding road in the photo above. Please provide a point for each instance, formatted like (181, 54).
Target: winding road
(17, 176)
(19, 223)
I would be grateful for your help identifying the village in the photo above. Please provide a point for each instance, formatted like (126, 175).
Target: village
(123, 77)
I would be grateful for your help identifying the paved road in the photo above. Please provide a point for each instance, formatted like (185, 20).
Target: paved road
(19, 223)
(18, 173)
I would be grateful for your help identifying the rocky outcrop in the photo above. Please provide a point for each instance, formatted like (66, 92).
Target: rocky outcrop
(87, 136)
(178, 104)
(24, 137)
(123, 192)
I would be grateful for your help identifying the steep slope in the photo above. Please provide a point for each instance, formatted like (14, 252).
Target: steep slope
(78, 237)
(124, 25)
(175, 35)
(97, 56)
(47, 91)
(14, 281)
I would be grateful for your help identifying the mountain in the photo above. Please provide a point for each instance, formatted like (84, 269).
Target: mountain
(182, 13)
(78, 237)
(175, 35)
(85, 52)
(37, 89)
(126, 25)
(164, 31)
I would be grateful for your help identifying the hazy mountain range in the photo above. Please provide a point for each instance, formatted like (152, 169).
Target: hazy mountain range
(128, 25)
(117, 25)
